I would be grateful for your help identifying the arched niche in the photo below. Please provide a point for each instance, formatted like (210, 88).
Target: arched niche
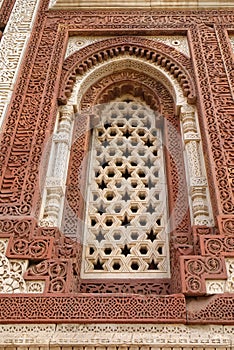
(97, 85)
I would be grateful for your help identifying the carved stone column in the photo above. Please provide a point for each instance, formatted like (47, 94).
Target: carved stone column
(196, 174)
(55, 182)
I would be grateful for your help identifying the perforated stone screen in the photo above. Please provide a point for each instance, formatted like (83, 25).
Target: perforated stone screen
(126, 212)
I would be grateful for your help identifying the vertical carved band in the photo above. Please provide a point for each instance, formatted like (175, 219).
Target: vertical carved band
(13, 46)
(214, 80)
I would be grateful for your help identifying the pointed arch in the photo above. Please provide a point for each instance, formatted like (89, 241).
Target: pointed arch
(174, 62)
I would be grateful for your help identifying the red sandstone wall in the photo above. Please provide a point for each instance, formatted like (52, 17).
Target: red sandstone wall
(46, 81)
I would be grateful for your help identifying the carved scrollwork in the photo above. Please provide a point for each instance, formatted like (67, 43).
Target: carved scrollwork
(12, 274)
(196, 269)
(217, 245)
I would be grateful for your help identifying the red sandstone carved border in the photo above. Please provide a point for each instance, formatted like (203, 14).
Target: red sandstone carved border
(5, 12)
(216, 309)
(93, 308)
(215, 117)
(34, 103)
(116, 308)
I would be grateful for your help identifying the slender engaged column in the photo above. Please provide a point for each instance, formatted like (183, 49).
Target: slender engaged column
(196, 173)
(56, 178)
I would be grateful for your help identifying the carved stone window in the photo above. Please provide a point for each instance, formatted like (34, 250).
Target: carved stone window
(126, 210)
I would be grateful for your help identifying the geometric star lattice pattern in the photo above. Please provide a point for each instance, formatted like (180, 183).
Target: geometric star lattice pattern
(126, 212)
